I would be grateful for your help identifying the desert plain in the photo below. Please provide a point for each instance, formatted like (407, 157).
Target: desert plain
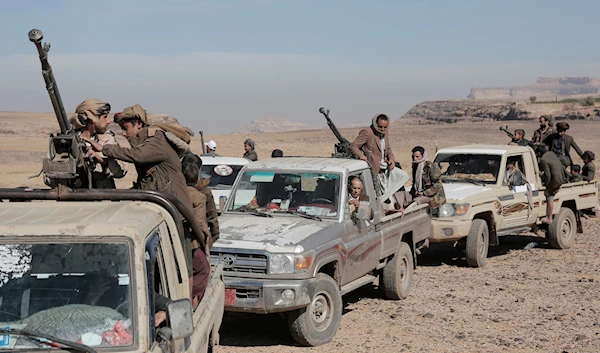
(536, 300)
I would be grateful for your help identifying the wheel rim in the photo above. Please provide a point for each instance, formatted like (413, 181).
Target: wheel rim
(482, 247)
(566, 229)
(403, 271)
(321, 311)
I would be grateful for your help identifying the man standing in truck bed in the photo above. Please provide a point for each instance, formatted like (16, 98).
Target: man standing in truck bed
(373, 146)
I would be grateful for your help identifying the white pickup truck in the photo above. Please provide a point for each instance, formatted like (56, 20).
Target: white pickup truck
(85, 270)
(222, 172)
(481, 207)
(296, 248)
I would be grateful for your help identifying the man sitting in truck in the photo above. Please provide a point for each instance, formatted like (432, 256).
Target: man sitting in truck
(513, 176)
(560, 143)
(356, 195)
(427, 182)
(520, 139)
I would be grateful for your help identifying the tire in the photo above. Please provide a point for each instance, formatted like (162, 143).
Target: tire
(318, 323)
(561, 233)
(478, 242)
(396, 278)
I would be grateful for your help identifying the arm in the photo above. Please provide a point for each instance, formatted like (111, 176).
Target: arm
(212, 215)
(546, 173)
(160, 302)
(577, 149)
(200, 212)
(116, 168)
(358, 143)
(151, 151)
(435, 175)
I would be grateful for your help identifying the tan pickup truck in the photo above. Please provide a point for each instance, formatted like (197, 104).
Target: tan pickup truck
(481, 207)
(85, 271)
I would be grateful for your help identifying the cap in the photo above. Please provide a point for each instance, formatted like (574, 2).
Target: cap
(211, 144)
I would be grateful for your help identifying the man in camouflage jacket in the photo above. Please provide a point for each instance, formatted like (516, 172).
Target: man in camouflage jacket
(427, 180)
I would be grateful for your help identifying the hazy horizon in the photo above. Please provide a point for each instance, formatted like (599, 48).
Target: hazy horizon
(218, 65)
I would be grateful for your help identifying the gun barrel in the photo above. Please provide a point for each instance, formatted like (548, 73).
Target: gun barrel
(36, 36)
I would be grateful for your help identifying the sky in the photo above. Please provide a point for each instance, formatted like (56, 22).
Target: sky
(217, 65)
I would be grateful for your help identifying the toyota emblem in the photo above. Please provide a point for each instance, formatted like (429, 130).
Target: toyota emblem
(228, 261)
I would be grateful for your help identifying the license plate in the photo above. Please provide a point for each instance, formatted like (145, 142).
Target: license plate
(229, 296)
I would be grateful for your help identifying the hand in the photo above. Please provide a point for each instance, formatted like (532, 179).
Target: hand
(95, 155)
(159, 318)
(419, 193)
(364, 158)
(391, 164)
(354, 203)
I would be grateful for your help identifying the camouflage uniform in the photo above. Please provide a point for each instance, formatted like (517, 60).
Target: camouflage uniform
(432, 184)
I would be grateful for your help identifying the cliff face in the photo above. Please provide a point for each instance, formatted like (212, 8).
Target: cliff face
(544, 88)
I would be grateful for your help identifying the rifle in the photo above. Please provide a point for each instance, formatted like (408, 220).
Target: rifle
(66, 163)
(202, 141)
(510, 134)
(342, 148)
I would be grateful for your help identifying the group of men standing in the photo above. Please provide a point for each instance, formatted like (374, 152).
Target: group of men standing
(164, 163)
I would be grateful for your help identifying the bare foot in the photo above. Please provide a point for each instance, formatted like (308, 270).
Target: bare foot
(547, 220)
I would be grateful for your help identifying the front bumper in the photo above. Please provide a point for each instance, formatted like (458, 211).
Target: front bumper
(448, 229)
(264, 296)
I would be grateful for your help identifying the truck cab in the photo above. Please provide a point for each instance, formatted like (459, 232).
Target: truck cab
(89, 274)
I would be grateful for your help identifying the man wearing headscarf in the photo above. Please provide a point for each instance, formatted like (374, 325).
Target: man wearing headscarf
(91, 121)
(373, 145)
(546, 129)
(427, 180)
(250, 154)
(589, 169)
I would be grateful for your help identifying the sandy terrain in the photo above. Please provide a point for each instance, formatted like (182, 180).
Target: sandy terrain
(538, 300)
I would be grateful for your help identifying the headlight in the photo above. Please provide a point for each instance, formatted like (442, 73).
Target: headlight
(281, 263)
(446, 210)
(450, 209)
(289, 263)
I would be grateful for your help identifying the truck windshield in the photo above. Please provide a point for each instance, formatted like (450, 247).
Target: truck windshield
(315, 194)
(221, 175)
(471, 168)
(79, 292)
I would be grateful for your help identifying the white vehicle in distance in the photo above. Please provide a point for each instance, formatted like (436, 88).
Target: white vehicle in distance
(222, 172)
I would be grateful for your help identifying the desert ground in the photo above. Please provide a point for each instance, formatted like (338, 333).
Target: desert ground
(536, 300)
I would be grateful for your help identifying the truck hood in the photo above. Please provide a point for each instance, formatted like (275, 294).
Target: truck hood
(459, 191)
(277, 234)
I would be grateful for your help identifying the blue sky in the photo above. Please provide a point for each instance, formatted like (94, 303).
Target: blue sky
(219, 64)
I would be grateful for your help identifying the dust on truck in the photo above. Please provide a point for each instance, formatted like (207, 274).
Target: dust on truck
(481, 207)
(79, 271)
(295, 248)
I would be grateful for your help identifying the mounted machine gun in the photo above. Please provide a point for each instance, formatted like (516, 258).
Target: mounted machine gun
(66, 163)
(342, 148)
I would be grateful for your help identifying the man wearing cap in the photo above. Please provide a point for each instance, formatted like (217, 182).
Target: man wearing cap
(250, 154)
(91, 121)
(211, 149)
(560, 143)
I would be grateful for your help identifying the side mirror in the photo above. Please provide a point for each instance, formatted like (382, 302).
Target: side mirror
(179, 318)
(363, 212)
(222, 202)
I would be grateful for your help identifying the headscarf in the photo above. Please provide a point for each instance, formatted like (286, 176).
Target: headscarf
(132, 113)
(250, 143)
(418, 182)
(89, 109)
(374, 125)
(590, 155)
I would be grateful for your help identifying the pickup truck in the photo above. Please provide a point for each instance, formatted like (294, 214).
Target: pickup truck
(80, 269)
(481, 207)
(296, 248)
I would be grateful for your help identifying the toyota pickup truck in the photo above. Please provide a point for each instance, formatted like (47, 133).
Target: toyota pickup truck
(296, 247)
(481, 206)
(79, 271)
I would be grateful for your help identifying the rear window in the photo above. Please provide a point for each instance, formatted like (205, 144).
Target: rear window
(220, 174)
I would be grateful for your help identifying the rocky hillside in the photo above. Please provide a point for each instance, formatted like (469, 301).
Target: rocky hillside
(434, 112)
(273, 125)
(543, 88)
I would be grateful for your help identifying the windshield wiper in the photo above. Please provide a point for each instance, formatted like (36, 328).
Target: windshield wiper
(39, 337)
(305, 215)
(473, 181)
(260, 214)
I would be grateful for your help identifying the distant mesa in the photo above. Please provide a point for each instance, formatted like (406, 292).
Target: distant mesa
(543, 88)
(273, 125)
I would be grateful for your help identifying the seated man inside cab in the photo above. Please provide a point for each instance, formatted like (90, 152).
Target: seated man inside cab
(356, 195)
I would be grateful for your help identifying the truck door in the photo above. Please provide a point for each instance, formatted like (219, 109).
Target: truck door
(518, 201)
(363, 241)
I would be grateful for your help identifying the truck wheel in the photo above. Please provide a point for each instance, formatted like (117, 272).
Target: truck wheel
(478, 241)
(396, 277)
(561, 233)
(318, 323)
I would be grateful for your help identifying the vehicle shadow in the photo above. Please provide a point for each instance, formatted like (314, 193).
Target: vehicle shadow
(256, 330)
(446, 253)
